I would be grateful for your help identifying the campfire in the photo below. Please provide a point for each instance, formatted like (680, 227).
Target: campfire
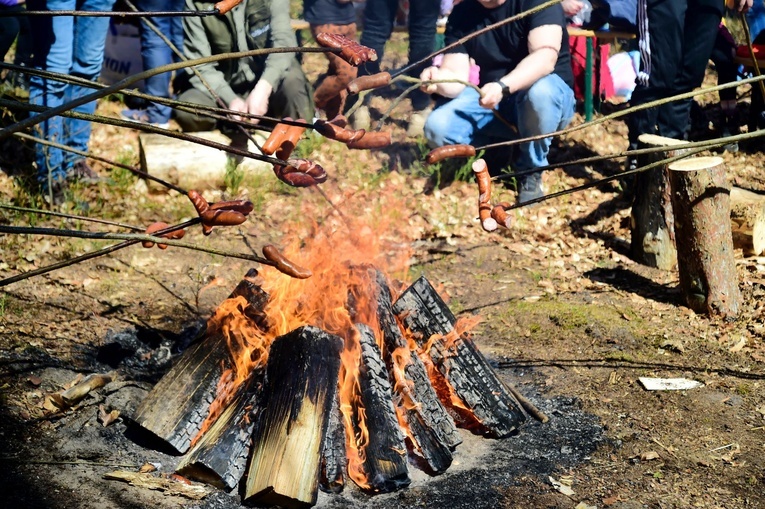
(300, 385)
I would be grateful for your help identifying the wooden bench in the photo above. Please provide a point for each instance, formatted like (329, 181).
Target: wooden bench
(592, 60)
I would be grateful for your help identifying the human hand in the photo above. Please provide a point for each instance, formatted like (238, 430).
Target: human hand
(237, 104)
(257, 101)
(571, 7)
(429, 74)
(491, 95)
(741, 6)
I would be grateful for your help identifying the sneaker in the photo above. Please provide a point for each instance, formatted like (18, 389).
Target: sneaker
(82, 172)
(530, 187)
(142, 117)
(361, 118)
(417, 121)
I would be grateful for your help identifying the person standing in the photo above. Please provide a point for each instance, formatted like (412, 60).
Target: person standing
(675, 39)
(155, 52)
(15, 82)
(333, 17)
(526, 83)
(69, 45)
(379, 16)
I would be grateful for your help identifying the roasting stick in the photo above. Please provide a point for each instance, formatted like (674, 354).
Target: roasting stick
(527, 405)
(71, 216)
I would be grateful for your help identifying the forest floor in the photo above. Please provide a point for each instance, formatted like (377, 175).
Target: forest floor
(566, 316)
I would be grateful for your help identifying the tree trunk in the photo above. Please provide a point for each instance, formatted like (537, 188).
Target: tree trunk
(652, 225)
(176, 408)
(701, 200)
(301, 385)
(459, 362)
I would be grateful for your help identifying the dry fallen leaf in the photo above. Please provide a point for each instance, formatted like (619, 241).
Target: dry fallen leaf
(146, 468)
(649, 455)
(106, 418)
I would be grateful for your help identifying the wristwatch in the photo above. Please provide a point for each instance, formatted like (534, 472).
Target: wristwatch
(505, 88)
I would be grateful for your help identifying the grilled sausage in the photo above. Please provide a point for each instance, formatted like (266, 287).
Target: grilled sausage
(368, 82)
(283, 265)
(374, 139)
(449, 151)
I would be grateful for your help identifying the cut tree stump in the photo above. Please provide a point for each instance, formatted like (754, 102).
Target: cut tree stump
(178, 405)
(301, 385)
(652, 222)
(384, 462)
(220, 456)
(701, 200)
(474, 382)
(190, 165)
(433, 430)
(747, 211)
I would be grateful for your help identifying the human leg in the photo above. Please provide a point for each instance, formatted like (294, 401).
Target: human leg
(423, 15)
(700, 27)
(293, 97)
(156, 53)
(87, 57)
(378, 26)
(190, 122)
(53, 44)
(330, 94)
(9, 29)
(544, 108)
(456, 121)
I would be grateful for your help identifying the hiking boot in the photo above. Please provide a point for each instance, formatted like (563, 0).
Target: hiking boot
(731, 128)
(57, 192)
(82, 172)
(417, 121)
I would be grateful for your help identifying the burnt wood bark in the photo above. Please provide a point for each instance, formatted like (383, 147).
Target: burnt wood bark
(301, 384)
(652, 222)
(385, 462)
(333, 453)
(707, 269)
(178, 405)
(220, 456)
(474, 382)
(432, 428)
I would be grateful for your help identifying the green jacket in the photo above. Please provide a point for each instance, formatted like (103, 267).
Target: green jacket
(269, 23)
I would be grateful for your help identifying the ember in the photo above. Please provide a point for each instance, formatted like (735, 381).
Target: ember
(327, 378)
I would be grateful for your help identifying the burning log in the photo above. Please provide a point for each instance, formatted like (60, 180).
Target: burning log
(301, 385)
(474, 382)
(179, 403)
(220, 456)
(432, 428)
(384, 457)
(333, 456)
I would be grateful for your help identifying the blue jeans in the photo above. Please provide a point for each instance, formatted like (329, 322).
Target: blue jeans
(544, 108)
(378, 27)
(73, 46)
(156, 52)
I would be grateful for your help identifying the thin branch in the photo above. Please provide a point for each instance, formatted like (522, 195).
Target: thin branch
(138, 237)
(111, 14)
(70, 216)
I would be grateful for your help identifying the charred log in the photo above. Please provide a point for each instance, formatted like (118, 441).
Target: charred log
(333, 456)
(178, 405)
(701, 199)
(431, 426)
(458, 360)
(384, 461)
(220, 456)
(300, 387)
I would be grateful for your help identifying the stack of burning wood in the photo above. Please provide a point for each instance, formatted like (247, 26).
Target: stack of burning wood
(322, 407)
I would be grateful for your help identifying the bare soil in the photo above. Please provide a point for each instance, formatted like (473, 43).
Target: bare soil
(568, 319)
